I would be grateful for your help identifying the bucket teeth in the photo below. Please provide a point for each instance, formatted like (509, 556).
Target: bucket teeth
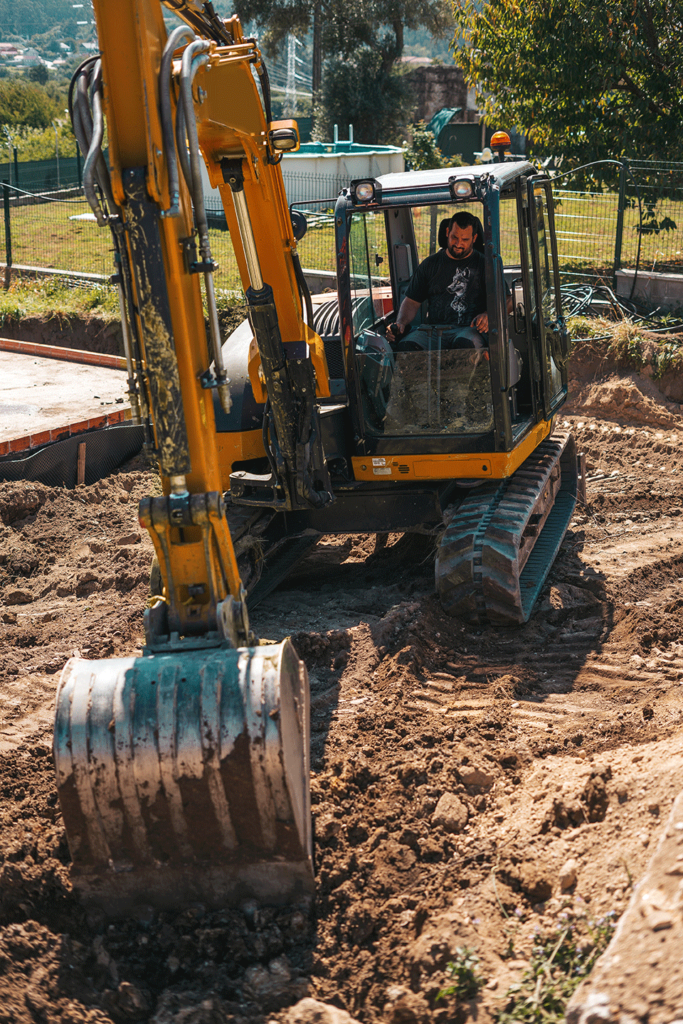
(185, 777)
(497, 550)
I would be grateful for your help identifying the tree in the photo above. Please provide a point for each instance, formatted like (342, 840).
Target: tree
(361, 90)
(23, 103)
(582, 78)
(38, 73)
(362, 43)
(423, 154)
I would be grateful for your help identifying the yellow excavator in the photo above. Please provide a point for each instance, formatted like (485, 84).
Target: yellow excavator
(183, 774)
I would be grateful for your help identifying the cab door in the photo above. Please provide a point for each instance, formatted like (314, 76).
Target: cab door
(551, 336)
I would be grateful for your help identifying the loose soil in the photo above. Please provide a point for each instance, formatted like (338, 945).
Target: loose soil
(472, 787)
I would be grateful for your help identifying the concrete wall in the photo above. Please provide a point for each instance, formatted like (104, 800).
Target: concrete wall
(655, 290)
(436, 86)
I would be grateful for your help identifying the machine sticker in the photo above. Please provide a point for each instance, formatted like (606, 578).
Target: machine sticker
(379, 462)
(381, 471)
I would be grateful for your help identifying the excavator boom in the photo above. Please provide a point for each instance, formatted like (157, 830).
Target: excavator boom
(183, 773)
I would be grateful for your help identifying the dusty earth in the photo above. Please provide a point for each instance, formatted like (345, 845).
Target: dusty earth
(477, 792)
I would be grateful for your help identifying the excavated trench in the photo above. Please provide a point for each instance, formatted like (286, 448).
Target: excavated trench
(473, 787)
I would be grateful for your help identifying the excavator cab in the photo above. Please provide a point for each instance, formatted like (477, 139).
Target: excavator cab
(445, 391)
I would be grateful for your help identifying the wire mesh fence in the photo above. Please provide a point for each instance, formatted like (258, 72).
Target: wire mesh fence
(637, 223)
(653, 215)
(586, 224)
(54, 233)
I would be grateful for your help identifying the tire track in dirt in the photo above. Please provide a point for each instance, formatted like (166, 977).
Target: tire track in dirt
(456, 769)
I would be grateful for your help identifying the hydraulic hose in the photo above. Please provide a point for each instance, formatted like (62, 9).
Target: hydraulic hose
(95, 150)
(304, 290)
(194, 55)
(194, 180)
(90, 81)
(172, 44)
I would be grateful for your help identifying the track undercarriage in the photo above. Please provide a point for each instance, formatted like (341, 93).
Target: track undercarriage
(501, 541)
(492, 558)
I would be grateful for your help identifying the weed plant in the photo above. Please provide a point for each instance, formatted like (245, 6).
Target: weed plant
(464, 971)
(559, 962)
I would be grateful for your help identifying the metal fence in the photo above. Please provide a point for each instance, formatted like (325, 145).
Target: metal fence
(637, 222)
(54, 231)
(653, 213)
(43, 175)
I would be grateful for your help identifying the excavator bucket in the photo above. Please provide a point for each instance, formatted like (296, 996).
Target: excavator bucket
(184, 778)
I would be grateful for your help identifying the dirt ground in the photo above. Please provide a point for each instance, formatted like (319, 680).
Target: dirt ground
(476, 791)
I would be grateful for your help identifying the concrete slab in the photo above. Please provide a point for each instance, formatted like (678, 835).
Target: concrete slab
(38, 394)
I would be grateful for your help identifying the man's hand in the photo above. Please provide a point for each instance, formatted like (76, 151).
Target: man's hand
(395, 331)
(481, 322)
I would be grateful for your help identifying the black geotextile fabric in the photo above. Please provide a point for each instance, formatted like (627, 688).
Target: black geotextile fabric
(56, 465)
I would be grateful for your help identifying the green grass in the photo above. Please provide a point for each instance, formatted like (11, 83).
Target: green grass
(53, 298)
(46, 236)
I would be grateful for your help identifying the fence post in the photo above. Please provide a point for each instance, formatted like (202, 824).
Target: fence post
(16, 166)
(8, 235)
(618, 240)
(78, 166)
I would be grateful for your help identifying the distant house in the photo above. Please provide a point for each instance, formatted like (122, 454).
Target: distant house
(31, 58)
(8, 51)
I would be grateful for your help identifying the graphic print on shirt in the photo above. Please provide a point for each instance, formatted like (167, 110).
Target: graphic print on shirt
(458, 289)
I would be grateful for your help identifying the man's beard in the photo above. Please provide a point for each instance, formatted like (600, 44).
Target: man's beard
(461, 255)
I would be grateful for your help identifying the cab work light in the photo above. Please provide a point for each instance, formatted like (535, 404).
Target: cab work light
(461, 188)
(283, 136)
(364, 190)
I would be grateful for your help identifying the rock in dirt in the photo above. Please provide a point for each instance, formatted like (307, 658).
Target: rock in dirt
(129, 1002)
(451, 813)
(595, 794)
(405, 1007)
(568, 874)
(311, 1011)
(472, 776)
(127, 538)
(19, 597)
(270, 986)
(535, 883)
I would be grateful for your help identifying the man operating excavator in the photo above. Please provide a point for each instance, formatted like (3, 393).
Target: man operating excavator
(453, 283)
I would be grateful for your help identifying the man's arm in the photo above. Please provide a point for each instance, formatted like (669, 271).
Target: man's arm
(481, 322)
(406, 315)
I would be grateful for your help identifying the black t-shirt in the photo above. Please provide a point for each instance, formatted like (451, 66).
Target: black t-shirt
(455, 289)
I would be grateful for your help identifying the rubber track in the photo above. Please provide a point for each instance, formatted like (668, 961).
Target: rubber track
(477, 566)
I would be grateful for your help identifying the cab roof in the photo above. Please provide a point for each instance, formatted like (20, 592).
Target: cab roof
(506, 173)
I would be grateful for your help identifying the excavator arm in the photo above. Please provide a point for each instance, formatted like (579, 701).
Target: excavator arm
(183, 774)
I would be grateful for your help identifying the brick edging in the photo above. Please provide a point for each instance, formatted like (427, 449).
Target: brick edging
(30, 441)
